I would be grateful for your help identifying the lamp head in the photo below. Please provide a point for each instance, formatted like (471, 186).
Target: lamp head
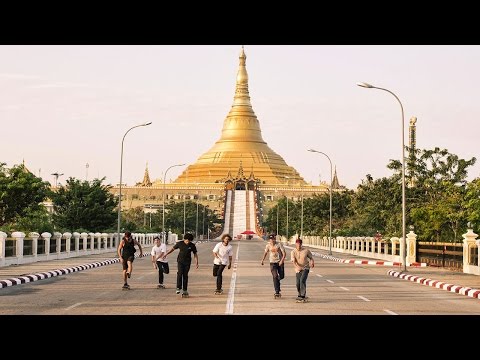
(146, 124)
(311, 150)
(365, 85)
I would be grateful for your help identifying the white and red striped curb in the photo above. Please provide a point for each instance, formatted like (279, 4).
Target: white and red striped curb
(366, 262)
(49, 274)
(463, 290)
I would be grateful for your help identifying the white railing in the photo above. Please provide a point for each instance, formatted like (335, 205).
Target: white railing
(388, 249)
(21, 249)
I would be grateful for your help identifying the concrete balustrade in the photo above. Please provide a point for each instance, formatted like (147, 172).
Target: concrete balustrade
(64, 246)
(470, 244)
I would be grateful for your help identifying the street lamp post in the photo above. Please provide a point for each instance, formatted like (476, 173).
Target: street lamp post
(301, 218)
(184, 209)
(120, 185)
(196, 221)
(286, 196)
(278, 208)
(203, 223)
(163, 206)
(404, 254)
(331, 183)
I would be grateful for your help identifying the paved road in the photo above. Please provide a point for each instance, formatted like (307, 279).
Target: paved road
(334, 288)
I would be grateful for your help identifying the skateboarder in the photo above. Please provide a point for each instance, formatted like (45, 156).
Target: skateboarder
(184, 259)
(126, 253)
(302, 261)
(222, 254)
(277, 256)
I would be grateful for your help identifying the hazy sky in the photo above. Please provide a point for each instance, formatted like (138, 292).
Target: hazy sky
(62, 107)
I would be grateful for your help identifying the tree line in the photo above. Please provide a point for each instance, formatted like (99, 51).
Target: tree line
(87, 206)
(439, 203)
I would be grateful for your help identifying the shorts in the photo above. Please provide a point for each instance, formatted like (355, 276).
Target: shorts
(125, 261)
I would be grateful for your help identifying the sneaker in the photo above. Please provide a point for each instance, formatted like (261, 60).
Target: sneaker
(126, 286)
(298, 298)
(161, 286)
(128, 275)
(177, 291)
(185, 292)
(218, 292)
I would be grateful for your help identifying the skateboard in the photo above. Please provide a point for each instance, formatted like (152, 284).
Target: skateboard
(302, 300)
(277, 296)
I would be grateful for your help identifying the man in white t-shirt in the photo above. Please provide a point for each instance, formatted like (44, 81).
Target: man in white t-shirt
(158, 252)
(222, 255)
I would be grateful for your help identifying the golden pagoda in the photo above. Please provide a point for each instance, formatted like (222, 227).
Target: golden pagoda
(240, 145)
(260, 173)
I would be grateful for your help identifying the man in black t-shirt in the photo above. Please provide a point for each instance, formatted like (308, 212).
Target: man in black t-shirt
(184, 259)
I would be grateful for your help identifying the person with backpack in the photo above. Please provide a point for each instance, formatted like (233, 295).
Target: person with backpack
(126, 253)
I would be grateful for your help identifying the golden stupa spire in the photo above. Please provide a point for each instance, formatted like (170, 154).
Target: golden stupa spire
(240, 144)
(335, 182)
(146, 178)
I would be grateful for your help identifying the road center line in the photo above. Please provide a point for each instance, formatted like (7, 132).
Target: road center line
(390, 312)
(363, 298)
(330, 281)
(72, 306)
(231, 292)
(344, 288)
(319, 275)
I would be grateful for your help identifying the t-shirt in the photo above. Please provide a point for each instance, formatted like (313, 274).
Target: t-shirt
(224, 252)
(303, 257)
(274, 252)
(157, 250)
(185, 254)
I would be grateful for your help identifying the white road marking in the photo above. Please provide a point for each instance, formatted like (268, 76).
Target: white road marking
(231, 292)
(344, 288)
(330, 281)
(390, 312)
(72, 306)
(319, 275)
(363, 298)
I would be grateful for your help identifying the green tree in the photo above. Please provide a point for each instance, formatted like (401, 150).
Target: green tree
(133, 220)
(174, 217)
(38, 220)
(377, 206)
(21, 193)
(84, 205)
(436, 201)
(472, 202)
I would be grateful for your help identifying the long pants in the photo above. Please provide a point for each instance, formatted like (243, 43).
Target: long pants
(182, 276)
(217, 271)
(162, 269)
(302, 282)
(278, 273)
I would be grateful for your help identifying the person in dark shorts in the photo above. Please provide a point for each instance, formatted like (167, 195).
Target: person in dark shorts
(184, 259)
(126, 252)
